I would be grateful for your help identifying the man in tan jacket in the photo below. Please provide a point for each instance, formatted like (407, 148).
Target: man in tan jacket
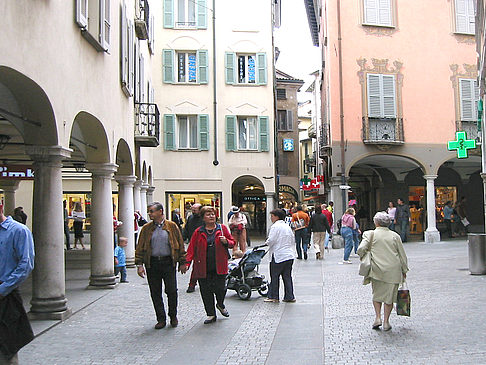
(160, 247)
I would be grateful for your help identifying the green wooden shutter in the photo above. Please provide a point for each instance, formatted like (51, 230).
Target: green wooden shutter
(262, 68)
(229, 65)
(264, 143)
(168, 67)
(230, 133)
(169, 128)
(202, 66)
(202, 22)
(203, 131)
(168, 13)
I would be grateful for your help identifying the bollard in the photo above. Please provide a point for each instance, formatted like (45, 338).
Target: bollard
(477, 253)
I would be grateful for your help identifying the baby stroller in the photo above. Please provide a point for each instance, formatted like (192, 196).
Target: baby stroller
(244, 278)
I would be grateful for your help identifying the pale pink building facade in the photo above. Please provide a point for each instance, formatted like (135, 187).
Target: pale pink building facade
(398, 81)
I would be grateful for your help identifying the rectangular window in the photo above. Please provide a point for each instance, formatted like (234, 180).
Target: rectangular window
(187, 131)
(469, 95)
(465, 16)
(378, 12)
(186, 67)
(246, 69)
(281, 94)
(186, 13)
(94, 19)
(381, 96)
(247, 133)
(284, 120)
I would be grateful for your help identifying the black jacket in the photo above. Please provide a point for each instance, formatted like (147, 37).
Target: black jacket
(319, 223)
(193, 222)
(15, 330)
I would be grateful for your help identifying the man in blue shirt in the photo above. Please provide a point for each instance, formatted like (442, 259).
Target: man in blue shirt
(16, 263)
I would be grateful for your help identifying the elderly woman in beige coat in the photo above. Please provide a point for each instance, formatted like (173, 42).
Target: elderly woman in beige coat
(388, 266)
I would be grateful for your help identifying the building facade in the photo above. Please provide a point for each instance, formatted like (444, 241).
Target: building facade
(392, 103)
(77, 123)
(217, 105)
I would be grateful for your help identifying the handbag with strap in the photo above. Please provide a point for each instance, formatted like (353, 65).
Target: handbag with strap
(403, 300)
(365, 265)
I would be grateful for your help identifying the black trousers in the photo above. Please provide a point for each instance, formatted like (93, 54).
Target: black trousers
(283, 269)
(213, 285)
(66, 234)
(162, 269)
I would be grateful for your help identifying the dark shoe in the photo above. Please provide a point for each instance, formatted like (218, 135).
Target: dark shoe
(289, 300)
(299, 258)
(174, 322)
(210, 319)
(190, 289)
(160, 325)
(376, 324)
(305, 255)
(223, 311)
(124, 281)
(318, 255)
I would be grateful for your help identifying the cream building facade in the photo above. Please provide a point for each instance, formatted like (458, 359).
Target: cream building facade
(75, 93)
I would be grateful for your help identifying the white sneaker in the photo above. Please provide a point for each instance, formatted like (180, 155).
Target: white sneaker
(347, 262)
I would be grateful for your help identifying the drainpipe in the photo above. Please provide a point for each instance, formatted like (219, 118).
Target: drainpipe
(215, 102)
(341, 106)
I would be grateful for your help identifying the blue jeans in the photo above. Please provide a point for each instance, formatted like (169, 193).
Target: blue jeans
(403, 229)
(355, 240)
(123, 271)
(326, 241)
(347, 234)
(392, 226)
(301, 241)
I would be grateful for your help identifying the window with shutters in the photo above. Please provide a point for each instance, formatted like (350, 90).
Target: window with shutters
(381, 96)
(464, 17)
(185, 67)
(281, 94)
(378, 13)
(285, 120)
(469, 96)
(245, 69)
(247, 133)
(126, 53)
(93, 17)
(187, 131)
(184, 14)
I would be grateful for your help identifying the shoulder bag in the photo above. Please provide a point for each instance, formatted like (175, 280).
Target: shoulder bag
(365, 265)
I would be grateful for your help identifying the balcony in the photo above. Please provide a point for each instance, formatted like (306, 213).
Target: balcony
(471, 129)
(147, 125)
(142, 20)
(311, 131)
(324, 142)
(384, 133)
(310, 161)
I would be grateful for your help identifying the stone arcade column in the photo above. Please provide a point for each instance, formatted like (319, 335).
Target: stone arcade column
(102, 271)
(431, 234)
(48, 278)
(337, 198)
(125, 213)
(9, 187)
(150, 194)
(143, 201)
(137, 203)
(270, 206)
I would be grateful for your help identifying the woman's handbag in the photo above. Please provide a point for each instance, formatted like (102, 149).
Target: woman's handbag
(298, 224)
(403, 300)
(365, 265)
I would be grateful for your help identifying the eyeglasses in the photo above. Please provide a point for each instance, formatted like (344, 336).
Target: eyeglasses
(153, 210)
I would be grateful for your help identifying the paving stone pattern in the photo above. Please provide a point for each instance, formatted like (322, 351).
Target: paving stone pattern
(330, 323)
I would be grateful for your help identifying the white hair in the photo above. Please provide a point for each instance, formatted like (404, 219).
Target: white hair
(382, 219)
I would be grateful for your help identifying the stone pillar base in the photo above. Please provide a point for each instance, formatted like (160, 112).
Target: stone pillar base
(102, 282)
(432, 236)
(130, 261)
(42, 316)
(48, 305)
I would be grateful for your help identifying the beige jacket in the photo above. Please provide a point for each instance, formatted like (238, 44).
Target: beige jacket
(388, 258)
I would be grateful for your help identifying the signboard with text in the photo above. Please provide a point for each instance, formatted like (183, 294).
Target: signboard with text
(16, 172)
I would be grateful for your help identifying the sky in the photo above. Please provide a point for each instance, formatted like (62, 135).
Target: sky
(298, 57)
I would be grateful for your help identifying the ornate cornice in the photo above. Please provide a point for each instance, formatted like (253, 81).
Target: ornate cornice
(379, 66)
(465, 38)
(379, 31)
(470, 72)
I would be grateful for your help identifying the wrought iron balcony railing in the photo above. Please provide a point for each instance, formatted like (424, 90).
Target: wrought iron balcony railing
(142, 20)
(324, 141)
(311, 131)
(385, 131)
(471, 129)
(147, 124)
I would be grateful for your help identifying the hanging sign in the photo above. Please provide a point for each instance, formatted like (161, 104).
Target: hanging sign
(311, 184)
(16, 172)
(461, 144)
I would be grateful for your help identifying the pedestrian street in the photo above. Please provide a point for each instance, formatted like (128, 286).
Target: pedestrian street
(329, 324)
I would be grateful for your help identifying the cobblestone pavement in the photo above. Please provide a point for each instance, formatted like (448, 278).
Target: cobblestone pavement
(330, 322)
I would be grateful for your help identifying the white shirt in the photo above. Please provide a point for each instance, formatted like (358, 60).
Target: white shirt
(281, 242)
(391, 212)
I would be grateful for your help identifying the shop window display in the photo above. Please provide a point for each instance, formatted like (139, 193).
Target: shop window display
(184, 201)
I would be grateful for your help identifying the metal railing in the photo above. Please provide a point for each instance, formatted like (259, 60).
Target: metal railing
(383, 131)
(147, 123)
(142, 20)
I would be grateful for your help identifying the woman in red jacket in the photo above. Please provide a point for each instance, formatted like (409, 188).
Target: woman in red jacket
(209, 251)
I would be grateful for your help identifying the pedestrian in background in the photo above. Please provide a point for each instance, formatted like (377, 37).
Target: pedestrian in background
(16, 263)
(300, 224)
(176, 218)
(66, 225)
(19, 215)
(391, 210)
(328, 215)
(208, 250)
(348, 225)
(461, 210)
(388, 267)
(78, 221)
(237, 224)
(120, 259)
(319, 226)
(281, 250)
(402, 218)
(161, 248)
(248, 226)
(261, 220)
(447, 210)
(193, 222)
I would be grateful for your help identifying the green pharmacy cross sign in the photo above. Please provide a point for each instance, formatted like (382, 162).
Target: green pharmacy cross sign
(461, 144)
